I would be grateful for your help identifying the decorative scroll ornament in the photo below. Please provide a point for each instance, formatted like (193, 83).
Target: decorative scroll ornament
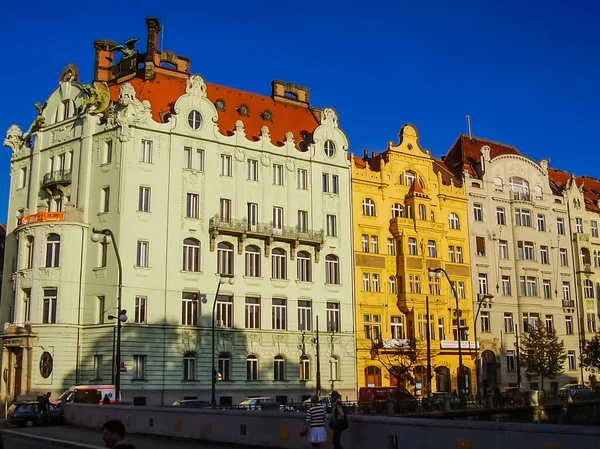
(329, 117)
(14, 138)
(128, 112)
(196, 86)
(97, 98)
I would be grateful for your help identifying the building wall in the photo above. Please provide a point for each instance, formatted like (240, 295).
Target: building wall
(382, 179)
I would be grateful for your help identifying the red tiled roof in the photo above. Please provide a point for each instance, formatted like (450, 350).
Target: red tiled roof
(590, 186)
(163, 91)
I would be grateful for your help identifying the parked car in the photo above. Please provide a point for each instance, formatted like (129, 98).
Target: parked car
(574, 391)
(438, 400)
(87, 394)
(378, 400)
(264, 403)
(192, 403)
(325, 401)
(26, 413)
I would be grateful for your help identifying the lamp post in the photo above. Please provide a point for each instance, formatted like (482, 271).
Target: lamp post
(437, 273)
(106, 236)
(223, 279)
(487, 299)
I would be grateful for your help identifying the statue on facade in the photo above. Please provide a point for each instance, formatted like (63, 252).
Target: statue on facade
(128, 49)
(128, 112)
(14, 138)
(40, 120)
(97, 98)
(70, 73)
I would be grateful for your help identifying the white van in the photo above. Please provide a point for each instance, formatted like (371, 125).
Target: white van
(91, 394)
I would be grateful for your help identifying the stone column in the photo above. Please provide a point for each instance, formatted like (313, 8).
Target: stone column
(4, 384)
(26, 372)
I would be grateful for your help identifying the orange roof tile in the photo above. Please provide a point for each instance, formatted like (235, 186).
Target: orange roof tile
(590, 186)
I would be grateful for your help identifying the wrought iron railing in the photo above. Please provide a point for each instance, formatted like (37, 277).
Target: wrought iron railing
(57, 176)
(568, 303)
(217, 223)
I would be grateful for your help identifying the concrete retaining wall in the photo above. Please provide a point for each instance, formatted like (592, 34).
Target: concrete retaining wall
(281, 430)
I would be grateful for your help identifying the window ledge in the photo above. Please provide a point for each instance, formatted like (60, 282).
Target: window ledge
(99, 269)
(193, 170)
(141, 268)
(196, 273)
(253, 278)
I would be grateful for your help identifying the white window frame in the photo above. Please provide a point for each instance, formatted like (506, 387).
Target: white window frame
(253, 261)
(331, 225)
(192, 205)
(279, 314)
(252, 170)
(332, 269)
(477, 212)
(225, 258)
(277, 174)
(304, 315)
(141, 310)
(368, 207)
(453, 221)
(190, 308)
(226, 165)
(139, 367)
(277, 218)
(224, 312)
(49, 305)
(278, 263)
(304, 266)
(191, 255)
(500, 216)
(302, 175)
(252, 312)
(146, 156)
(144, 198)
(333, 316)
(142, 254)
(225, 210)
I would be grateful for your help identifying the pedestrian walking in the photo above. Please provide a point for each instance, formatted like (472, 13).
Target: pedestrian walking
(315, 423)
(339, 419)
(106, 400)
(114, 435)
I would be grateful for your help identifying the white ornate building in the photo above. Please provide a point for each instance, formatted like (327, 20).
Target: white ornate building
(198, 182)
(521, 254)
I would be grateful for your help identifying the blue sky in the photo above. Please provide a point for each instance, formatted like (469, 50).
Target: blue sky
(526, 73)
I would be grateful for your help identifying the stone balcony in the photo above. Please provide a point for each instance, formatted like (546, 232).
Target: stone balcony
(57, 177)
(267, 232)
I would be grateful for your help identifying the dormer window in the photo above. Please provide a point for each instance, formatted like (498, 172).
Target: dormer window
(243, 110)
(220, 104)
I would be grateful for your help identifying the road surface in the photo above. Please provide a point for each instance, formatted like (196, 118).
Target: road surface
(19, 443)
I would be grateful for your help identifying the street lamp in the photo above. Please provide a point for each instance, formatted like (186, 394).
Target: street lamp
(437, 273)
(488, 300)
(223, 279)
(106, 236)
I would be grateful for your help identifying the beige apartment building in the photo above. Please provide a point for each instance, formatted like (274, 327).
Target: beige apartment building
(521, 258)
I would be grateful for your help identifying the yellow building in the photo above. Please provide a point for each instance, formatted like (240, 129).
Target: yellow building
(410, 216)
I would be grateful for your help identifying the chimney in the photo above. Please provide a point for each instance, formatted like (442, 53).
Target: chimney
(373, 153)
(103, 60)
(289, 93)
(153, 26)
(366, 154)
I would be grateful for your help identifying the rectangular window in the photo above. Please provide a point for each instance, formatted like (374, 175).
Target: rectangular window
(480, 245)
(412, 246)
(302, 179)
(302, 221)
(483, 283)
(591, 322)
(432, 248)
(27, 305)
(252, 216)
(566, 288)
(22, 178)
(486, 325)
(189, 308)
(278, 217)
(459, 254)
(147, 151)
(441, 329)
(397, 327)
(331, 225)
(525, 250)
(252, 170)
(225, 311)
(325, 181)
(571, 360)
(374, 244)
(103, 247)
(140, 310)
(199, 162)
(139, 367)
(594, 228)
(530, 321)
(564, 261)
(278, 174)
(108, 150)
(502, 249)
(549, 323)
(451, 257)
(434, 286)
(547, 289)
(333, 317)
(304, 315)
(509, 325)
(544, 254)
(279, 314)
(252, 313)
(101, 309)
(541, 222)
(391, 247)
(225, 210)
(461, 290)
(578, 225)
(366, 282)
(335, 184)
(98, 365)
(510, 361)
(477, 212)
(364, 242)
(193, 205)
(414, 283)
(144, 199)
(105, 199)
(560, 226)
(143, 250)
(49, 305)
(569, 325)
(376, 283)
(500, 216)
(528, 285)
(226, 165)
(188, 157)
(506, 286)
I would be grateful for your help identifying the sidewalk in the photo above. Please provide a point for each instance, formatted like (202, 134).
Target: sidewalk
(76, 437)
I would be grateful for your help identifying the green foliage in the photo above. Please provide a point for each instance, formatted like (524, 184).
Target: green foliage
(542, 353)
(590, 356)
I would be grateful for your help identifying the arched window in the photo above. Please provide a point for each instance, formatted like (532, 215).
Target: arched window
(421, 183)
(278, 368)
(333, 368)
(189, 366)
(30, 247)
(224, 366)
(191, 255)
(537, 193)
(225, 258)
(332, 269)
(304, 368)
(422, 212)
(397, 210)
(304, 266)
(278, 264)
(392, 285)
(52, 250)
(498, 184)
(368, 207)
(251, 367)
(588, 289)
(372, 376)
(409, 177)
(252, 261)
(519, 187)
(453, 222)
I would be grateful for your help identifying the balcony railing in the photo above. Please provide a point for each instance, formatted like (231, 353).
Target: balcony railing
(57, 177)
(568, 303)
(520, 196)
(217, 224)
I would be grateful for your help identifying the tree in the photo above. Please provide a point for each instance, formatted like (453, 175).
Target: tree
(590, 355)
(542, 353)
(399, 358)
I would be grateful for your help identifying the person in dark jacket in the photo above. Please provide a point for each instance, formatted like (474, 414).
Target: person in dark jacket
(106, 400)
(114, 435)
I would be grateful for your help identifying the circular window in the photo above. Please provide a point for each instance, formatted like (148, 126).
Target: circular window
(329, 148)
(194, 120)
(46, 364)
(220, 104)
